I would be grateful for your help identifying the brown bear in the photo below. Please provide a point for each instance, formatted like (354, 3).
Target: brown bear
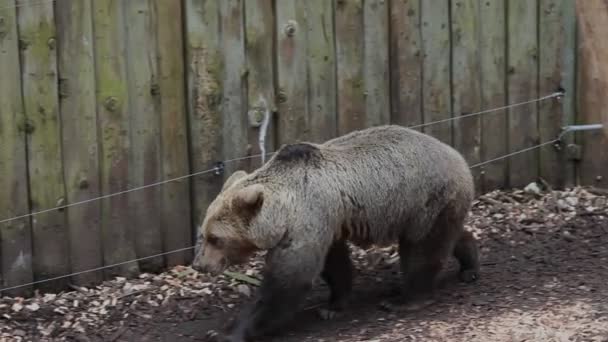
(376, 186)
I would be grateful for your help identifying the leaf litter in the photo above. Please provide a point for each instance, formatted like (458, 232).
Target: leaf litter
(544, 278)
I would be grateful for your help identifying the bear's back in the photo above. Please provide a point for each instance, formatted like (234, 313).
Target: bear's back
(377, 180)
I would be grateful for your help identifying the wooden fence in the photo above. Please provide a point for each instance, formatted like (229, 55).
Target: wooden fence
(101, 96)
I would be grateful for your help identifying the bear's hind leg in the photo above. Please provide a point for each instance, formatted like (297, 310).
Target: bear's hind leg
(467, 253)
(421, 264)
(338, 274)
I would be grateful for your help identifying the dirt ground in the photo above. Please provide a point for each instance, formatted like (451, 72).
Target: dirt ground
(544, 278)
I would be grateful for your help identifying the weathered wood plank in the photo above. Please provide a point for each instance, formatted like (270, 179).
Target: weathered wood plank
(376, 63)
(593, 16)
(555, 71)
(594, 163)
(234, 107)
(205, 75)
(406, 63)
(593, 85)
(293, 119)
(349, 59)
(144, 116)
(113, 117)
(259, 36)
(321, 58)
(176, 224)
(37, 36)
(76, 66)
(568, 83)
(522, 85)
(15, 236)
(466, 81)
(436, 95)
(493, 93)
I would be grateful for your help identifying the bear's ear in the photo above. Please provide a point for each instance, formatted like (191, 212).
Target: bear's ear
(233, 178)
(249, 200)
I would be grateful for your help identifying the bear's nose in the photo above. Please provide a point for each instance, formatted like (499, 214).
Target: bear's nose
(197, 265)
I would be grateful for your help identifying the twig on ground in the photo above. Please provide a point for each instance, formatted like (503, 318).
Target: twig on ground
(243, 277)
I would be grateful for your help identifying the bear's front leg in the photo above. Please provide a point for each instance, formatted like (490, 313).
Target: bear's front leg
(288, 278)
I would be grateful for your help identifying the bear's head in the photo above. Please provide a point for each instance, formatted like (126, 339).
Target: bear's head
(230, 232)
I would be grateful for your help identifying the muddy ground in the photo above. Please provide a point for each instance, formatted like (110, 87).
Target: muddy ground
(544, 278)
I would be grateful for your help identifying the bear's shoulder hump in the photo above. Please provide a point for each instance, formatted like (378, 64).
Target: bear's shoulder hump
(299, 152)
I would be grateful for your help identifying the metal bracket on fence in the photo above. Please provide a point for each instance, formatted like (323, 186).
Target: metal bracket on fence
(579, 128)
(575, 128)
(218, 169)
(574, 151)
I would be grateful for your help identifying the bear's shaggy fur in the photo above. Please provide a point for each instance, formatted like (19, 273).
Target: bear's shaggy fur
(376, 186)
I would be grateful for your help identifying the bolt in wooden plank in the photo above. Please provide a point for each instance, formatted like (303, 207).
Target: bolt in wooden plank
(259, 36)
(321, 76)
(15, 236)
(406, 62)
(205, 64)
(113, 115)
(234, 106)
(144, 116)
(522, 77)
(76, 66)
(293, 121)
(376, 62)
(176, 213)
(37, 35)
(436, 95)
(493, 92)
(466, 81)
(349, 59)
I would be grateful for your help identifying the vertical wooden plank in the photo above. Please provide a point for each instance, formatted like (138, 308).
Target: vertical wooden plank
(466, 80)
(376, 62)
(37, 36)
(113, 116)
(144, 154)
(568, 82)
(406, 62)
(592, 16)
(493, 92)
(76, 66)
(522, 86)
(175, 218)
(349, 51)
(234, 107)
(205, 94)
(293, 118)
(436, 95)
(594, 162)
(259, 36)
(321, 58)
(15, 236)
(555, 72)
(592, 87)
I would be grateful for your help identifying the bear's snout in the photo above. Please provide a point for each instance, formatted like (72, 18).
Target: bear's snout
(208, 261)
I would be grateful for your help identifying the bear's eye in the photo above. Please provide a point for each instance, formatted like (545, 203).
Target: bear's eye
(213, 240)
